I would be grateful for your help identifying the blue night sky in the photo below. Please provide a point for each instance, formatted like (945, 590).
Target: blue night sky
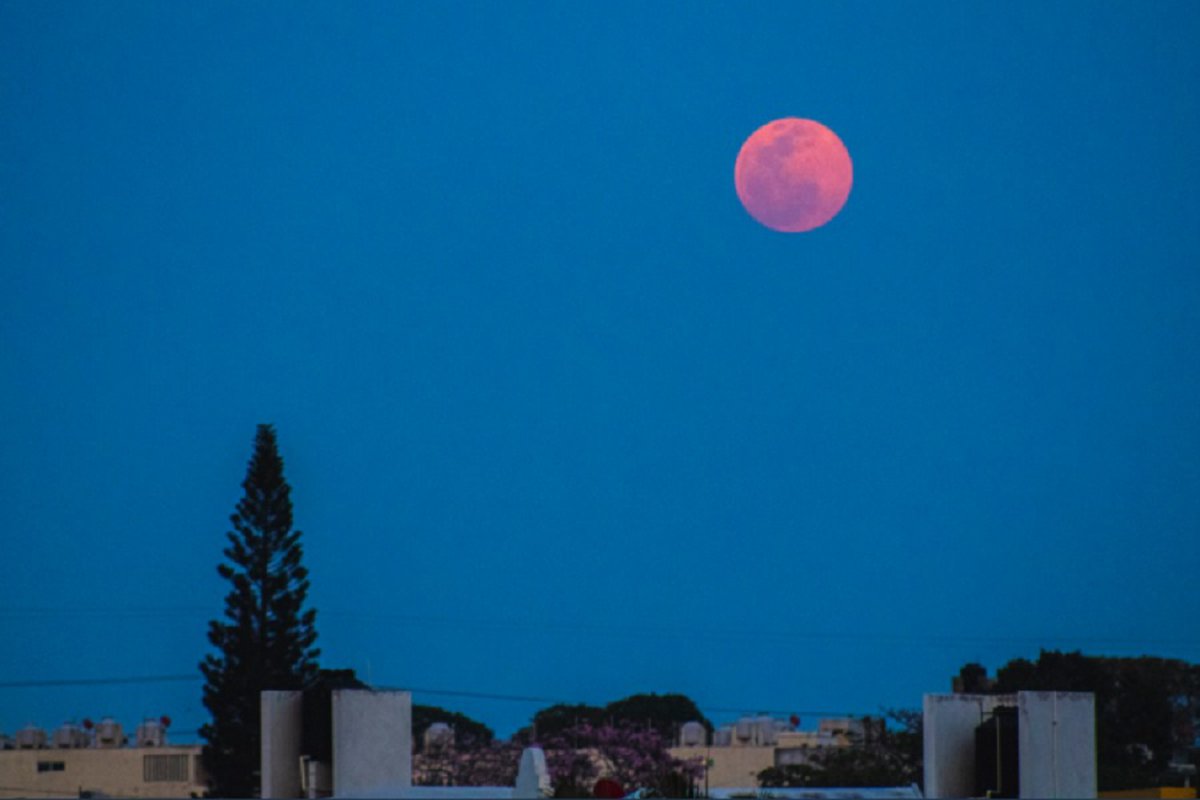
(560, 418)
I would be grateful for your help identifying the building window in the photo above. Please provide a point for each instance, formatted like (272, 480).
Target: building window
(51, 766)
(156, 769)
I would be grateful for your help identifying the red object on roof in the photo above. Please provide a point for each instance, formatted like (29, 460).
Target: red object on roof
(607, 787)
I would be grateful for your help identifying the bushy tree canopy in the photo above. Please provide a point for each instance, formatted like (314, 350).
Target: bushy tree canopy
(663, 712)
(553, 720)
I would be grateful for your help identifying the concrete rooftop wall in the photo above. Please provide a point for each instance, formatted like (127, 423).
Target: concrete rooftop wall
(950, 722)
(1057, 733)
(1056, 742)
(281, 715)
(372, 741)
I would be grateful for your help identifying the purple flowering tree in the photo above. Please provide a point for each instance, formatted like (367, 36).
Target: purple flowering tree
(634, 756)
(491, 764)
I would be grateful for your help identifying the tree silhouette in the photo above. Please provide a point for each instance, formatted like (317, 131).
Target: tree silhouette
(266, 639)
(663, 712)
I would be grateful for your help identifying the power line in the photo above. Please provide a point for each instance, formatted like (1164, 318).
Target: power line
(463, 693)
(98, 681)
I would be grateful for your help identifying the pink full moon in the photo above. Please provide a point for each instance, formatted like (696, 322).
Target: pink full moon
(793, 175)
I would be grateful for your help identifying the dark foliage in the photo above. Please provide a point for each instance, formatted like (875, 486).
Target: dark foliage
(973, 679)
(316, 713)
(662, 712)
(553, 720)
(266, 638)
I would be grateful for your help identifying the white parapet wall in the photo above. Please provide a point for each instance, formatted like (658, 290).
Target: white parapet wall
(372, 741)
(1056, 747)
(949, 745)
(281, 722)
(1057, 744)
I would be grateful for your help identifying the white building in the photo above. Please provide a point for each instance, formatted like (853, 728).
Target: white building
(99, 760)
(1028, 744)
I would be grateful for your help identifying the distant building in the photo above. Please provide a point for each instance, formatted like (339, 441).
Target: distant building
(740, 751)
(99, 761)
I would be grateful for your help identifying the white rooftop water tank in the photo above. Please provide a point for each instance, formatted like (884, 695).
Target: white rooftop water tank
(30, 737)
(764, 729)
(692, 734)
(109, 733)
(723, 736)
(151, 733)
(70, 736)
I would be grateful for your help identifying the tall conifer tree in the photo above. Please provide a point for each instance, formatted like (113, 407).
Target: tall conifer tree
(266, 639)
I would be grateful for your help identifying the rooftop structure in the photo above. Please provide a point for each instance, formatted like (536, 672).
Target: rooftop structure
(1028, 744)
(100, 760)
